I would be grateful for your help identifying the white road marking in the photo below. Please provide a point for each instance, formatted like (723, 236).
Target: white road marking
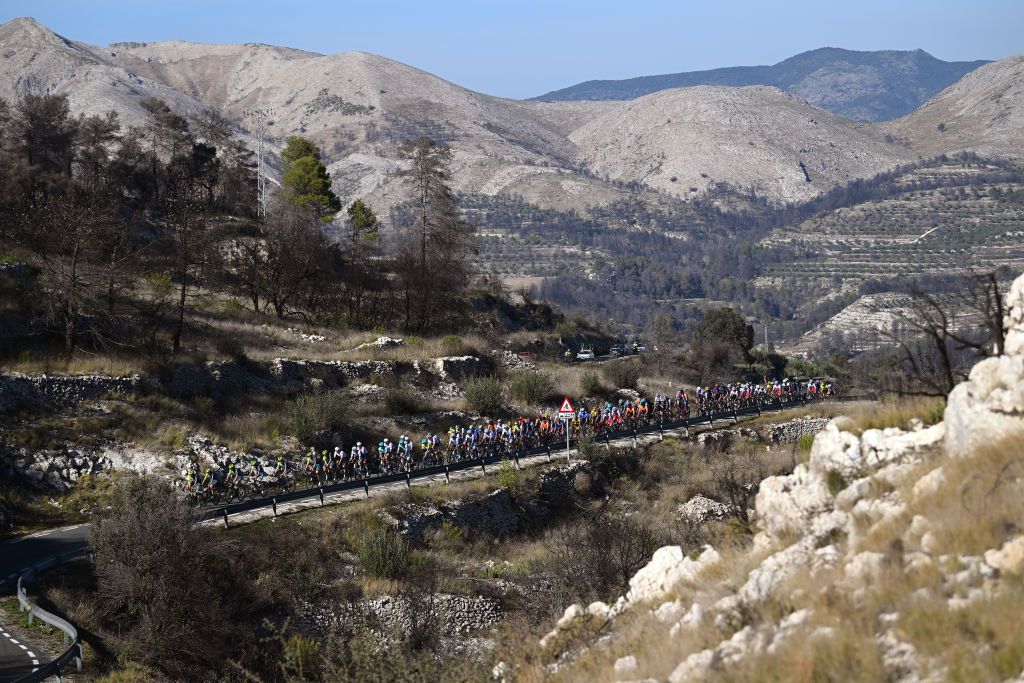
(31, 654)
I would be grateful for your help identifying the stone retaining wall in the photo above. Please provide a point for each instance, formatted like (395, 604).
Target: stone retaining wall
(18, 391)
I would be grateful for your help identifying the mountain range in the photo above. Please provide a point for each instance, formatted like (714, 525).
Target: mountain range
(566, 155)
(865, 86)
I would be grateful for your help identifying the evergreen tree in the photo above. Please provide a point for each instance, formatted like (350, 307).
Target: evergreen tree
(363, 223)
(305, 181)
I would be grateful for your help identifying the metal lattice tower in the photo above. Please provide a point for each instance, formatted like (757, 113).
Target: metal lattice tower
(259, 118)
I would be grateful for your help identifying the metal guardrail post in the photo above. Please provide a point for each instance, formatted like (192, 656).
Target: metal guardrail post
(483, 464)
(447, 475)
(549, 453)
(607, 442)
(661, 429)
(408, 480)
(273, 503)
(224, 511)
(366, 487)
(634, 438)
(515, 457)
(735, 417)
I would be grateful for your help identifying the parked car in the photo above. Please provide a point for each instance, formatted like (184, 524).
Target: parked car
(585, 354)
(616, 350)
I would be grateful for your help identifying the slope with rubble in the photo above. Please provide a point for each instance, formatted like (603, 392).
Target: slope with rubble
(888, 555)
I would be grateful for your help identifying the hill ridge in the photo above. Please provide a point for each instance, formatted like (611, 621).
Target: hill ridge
(863, 85)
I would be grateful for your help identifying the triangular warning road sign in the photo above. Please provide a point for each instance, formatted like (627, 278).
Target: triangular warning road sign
(566, 406)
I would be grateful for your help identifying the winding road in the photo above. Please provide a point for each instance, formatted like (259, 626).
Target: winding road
(16, 658)
(21, 554)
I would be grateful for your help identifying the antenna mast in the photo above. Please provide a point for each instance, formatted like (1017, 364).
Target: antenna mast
(259, 118)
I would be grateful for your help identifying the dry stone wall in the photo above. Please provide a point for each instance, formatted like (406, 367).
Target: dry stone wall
(19, 391)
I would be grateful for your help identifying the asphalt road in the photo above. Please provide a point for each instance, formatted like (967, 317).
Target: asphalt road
(21, 554)
(17, 658)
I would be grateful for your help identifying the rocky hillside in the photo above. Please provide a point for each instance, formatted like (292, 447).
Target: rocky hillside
(683, 141)
(982, 112)
(888, 555)
(865, 86)
(358, 107)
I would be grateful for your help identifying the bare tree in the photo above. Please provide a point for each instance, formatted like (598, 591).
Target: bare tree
(735, 479)
(982, 296)
(65, 236)
(288, 258)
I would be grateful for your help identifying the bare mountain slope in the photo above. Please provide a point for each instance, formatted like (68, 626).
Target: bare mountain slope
(678, 140)
(359, 107)
(983, 112)
(34, 59)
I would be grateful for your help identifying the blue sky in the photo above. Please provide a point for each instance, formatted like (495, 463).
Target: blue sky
(522, 48)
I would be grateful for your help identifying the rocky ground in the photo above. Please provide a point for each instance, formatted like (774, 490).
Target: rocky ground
(890, 554)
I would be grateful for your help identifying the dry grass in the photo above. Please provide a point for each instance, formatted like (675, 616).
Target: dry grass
(895, 413)
(979, 505)
(81, 364)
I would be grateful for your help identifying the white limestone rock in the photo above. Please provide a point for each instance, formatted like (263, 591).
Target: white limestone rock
(991, 402)
(1009, 558)
(668, 568)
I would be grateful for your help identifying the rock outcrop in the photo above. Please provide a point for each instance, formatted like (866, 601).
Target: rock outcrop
(991, 401)
(867, 516)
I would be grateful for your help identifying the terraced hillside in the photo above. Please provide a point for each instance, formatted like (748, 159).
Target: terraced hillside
(941, 219)
(975, 220)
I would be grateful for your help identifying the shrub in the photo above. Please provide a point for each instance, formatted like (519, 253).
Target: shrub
(171, 436)
(835, 482)
(483, 394)
(531, 387)
(804, 443)
(622, 374)
(452, 345)
(510, 478)
(312, 412)
(232, 348)
(383, 552)
(590, 383)
(404, 401)
(147, 584)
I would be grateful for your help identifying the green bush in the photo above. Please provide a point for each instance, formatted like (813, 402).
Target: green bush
(383, 552)
(483, 394)
(531, 387)
(452, 345)
(804, 443)
(510, 478)
(312, 412)
(835, 482)
(404, 401)
(590, 383)
(622, 374)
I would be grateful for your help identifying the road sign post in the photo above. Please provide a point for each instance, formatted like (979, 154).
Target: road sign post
(565, 414)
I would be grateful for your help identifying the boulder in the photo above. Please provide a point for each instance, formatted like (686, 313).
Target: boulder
(668, 568)
(1009, 558)
(701, 509)
(991, 401)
